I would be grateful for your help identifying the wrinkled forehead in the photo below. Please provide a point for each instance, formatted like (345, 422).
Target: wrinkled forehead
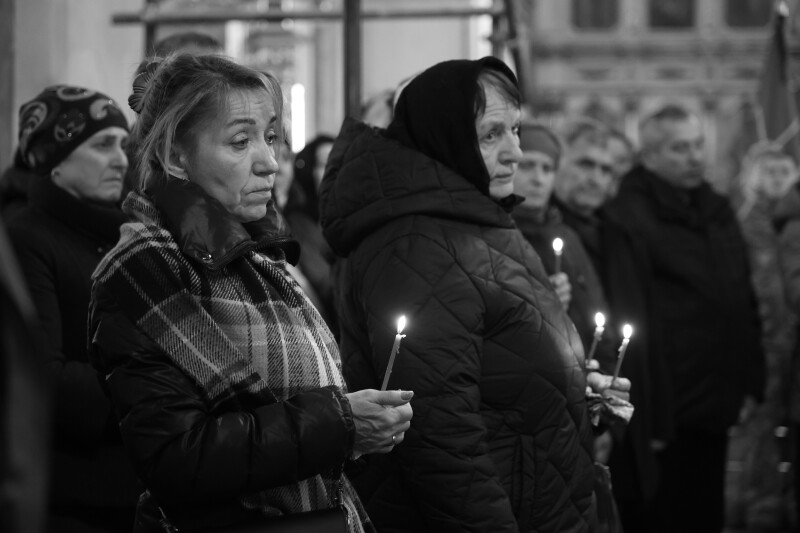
(115, 132)
(494, 94)
(254, 103)
(594, 146)
(684, 130)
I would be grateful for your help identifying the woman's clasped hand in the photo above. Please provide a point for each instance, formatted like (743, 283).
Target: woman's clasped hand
(381, 419)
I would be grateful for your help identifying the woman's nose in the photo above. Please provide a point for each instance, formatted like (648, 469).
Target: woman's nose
(120, 157)
(266, 163)
(512, 152)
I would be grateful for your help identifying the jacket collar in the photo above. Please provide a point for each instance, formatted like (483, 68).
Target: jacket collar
(693, 207)
(371, 180)
(206, 232)
(96, 220)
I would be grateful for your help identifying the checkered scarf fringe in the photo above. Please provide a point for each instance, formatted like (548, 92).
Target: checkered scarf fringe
(246, 329)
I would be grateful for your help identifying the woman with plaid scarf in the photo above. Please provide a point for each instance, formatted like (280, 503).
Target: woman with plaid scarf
(225, 379)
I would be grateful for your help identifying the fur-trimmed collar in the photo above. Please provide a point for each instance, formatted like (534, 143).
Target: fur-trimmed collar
(204, 229)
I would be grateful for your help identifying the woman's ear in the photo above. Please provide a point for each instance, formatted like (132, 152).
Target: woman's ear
(177, 164)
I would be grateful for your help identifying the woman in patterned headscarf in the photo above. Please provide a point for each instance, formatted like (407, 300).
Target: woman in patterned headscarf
(71, 142)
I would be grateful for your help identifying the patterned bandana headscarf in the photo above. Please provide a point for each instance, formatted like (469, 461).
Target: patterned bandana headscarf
(59, 120)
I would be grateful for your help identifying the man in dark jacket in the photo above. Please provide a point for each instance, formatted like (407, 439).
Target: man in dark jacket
(584, 180)
(676, 267)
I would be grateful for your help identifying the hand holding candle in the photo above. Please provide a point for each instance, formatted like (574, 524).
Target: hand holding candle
(558, 247)
(627, 331)
(401, 324)
(600, 321)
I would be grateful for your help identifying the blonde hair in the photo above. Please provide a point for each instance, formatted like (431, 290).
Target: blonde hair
(181, 94)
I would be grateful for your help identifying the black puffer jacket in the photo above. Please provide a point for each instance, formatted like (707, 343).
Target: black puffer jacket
(676, 268)
(198, 457)
(500, 439)
(59, 241)
(540, 227)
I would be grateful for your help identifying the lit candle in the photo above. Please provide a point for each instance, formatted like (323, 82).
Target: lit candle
(600, 321)
(401, 323)
(627, 331)
(558, 246)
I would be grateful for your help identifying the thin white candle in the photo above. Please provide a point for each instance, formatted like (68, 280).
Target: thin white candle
(600, 322)
(401, 324)
(627, 331)
(558, 247)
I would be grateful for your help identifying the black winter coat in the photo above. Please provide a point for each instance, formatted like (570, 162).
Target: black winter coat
(24, 402)
(500, 439)
(676, 267)
(59, 241)
(199, 457)
(14, 184)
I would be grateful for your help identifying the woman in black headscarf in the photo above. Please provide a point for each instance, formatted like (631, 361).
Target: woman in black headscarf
(501, 440)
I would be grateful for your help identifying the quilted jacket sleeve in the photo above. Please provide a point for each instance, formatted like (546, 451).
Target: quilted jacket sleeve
(187, 452)
(444, 458)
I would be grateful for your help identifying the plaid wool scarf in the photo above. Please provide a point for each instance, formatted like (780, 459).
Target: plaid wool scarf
(245, 328)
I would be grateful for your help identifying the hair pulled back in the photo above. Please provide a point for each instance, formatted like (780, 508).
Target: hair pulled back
(178, 95)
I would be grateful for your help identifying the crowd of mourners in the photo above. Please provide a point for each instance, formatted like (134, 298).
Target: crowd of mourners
(448, 316)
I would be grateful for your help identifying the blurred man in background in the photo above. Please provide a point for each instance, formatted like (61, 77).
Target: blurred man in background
(676, 268)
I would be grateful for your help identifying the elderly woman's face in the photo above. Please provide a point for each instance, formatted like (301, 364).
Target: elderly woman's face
(234, 159)
(95, 169)
(498, 138)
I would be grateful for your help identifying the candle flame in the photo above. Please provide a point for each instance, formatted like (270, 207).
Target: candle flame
(558, 245)
(627, 331)
(401, 324)
(600, 320)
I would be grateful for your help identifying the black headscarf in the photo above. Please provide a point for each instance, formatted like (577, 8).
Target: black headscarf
(303, 190)
(436, 115)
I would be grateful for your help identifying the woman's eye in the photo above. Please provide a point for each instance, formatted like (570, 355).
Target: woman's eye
(271, 138)
(240, 143)
(490, 136)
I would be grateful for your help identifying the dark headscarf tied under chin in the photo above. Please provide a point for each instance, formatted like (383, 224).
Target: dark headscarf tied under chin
(436, 115)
